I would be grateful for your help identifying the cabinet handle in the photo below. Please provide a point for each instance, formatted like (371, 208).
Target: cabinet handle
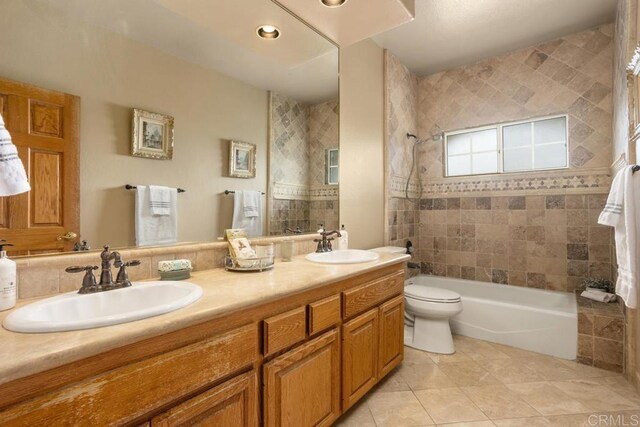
(69, 236)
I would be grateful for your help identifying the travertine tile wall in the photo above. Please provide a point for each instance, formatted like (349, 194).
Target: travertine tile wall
(573, 75)
(548, 242)
(300, 135)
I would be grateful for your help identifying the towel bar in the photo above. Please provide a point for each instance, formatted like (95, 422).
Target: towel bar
(133, 187)
(233, 191)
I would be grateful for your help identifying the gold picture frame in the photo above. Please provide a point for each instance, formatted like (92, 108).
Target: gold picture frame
(152, 135)
(242, 159)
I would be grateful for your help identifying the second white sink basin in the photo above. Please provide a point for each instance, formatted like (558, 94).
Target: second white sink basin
(72, 311)
(348, 256)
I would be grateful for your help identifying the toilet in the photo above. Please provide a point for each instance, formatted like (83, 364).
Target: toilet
(427, 314)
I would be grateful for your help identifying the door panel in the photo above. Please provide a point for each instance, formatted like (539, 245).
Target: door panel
(302, 387)
(391, 335)
(44, 125)
(359, 357)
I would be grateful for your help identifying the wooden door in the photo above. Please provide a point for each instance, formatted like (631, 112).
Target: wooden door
(302, 387)
(44, 125)
(391, 335)
(231, 404)
(359, 357)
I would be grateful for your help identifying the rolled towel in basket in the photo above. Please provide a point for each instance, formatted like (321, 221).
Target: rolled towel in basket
(600, 296)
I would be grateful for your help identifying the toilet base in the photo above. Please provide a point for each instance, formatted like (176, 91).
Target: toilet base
(432, 335)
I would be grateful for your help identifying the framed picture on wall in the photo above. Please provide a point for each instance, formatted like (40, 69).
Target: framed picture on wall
(242, 159)
(152, 135)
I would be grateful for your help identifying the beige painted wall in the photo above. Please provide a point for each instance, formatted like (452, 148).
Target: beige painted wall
(362, 144)
(112, 75)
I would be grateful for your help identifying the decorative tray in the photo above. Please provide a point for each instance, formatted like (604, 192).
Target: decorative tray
(248, 265)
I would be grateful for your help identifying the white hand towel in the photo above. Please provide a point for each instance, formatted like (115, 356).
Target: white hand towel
(252, 224)
(160, 200)
(13, 178)
(598, 296)
(622, 212)
(155, 229)
(251, 203)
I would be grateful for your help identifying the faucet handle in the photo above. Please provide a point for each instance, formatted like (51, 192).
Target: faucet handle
(132, 263)
(79, 269)
(89, 284)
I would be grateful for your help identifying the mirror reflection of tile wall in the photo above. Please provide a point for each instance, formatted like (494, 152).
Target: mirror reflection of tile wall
(300, 136)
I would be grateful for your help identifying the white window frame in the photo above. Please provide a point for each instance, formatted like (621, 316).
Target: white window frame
(329, 166)
(500, 150)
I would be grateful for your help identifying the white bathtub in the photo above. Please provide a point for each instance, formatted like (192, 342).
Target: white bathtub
(531, 319)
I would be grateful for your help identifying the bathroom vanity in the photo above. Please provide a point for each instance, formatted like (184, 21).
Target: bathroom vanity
(295, 346)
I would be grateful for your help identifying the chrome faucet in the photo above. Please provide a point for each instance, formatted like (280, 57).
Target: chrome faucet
(89, 284)
(324, 243)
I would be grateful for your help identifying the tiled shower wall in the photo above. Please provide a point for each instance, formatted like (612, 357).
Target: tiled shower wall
(548, 242)
(300, 134)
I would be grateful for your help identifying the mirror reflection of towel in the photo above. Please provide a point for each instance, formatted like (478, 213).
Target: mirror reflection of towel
(155, 229)
(247, 212)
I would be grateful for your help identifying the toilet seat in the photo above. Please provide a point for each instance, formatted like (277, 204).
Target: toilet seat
(425, 293)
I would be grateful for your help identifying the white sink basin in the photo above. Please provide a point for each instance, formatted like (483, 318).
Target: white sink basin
(348, 256)
(72, 311)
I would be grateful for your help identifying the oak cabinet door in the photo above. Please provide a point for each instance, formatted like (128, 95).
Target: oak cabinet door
(302, 386)
(391, 335)
(359, 357)
(231, 404)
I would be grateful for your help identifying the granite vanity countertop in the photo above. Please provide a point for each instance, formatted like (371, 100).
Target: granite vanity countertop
(224, 292)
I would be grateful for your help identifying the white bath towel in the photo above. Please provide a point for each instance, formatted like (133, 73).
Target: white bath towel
(13, 178)
(155, 229)
(160, 199)
(253, 221)
(598, 296)
(622, 212)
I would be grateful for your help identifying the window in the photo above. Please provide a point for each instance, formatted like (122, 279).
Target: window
(332, 166)
(509, 147)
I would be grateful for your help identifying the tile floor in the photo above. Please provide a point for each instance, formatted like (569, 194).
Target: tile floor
(485, 384)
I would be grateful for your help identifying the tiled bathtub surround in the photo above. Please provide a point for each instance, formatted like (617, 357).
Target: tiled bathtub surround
(404, 221)
(601, 332)
(549, 242)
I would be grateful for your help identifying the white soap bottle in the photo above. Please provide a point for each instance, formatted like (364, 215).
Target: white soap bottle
(343, 241)
(8, 289)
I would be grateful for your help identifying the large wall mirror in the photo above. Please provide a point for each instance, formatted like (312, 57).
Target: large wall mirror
(200, 64)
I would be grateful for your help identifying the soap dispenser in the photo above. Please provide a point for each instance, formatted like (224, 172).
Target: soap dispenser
(8, 290)
(343, 240)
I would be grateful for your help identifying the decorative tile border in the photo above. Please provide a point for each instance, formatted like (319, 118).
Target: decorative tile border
(284, 191)
(398, 184)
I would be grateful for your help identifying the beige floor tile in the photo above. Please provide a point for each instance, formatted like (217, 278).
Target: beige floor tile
(458, 356)
(497, 401)
(477, 349)
(513, 351)
(397, 409)
(449, 405)
(468, 373)
(412, 356)
(551, 369)
(357, 416)
(547, 399)
(585, 371)
(523, 422)
(579, 420)
(425, 376)
(595, 396)
(393, 382)
(470, 424)
(510, 370)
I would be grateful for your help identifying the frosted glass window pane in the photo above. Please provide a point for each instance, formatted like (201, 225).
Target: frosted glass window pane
(333, 157)
(517, 159)
(333, 175)
(459, 165)
(485, 163)
(459, 144)
(484, 140)
(517, 135)
(550, 156)
(552, 130)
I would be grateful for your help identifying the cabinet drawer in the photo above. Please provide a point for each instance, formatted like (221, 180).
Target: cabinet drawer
(125, 394)
(323, 314)
(361, 298)
(284, 330)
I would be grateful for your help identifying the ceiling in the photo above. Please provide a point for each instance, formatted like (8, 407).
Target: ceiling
(449, 33)
(221, 36)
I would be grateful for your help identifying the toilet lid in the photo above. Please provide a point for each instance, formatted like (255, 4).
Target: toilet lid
(425, 293)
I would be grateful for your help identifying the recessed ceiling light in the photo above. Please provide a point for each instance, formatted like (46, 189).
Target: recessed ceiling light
(333, 3)
(268, 32)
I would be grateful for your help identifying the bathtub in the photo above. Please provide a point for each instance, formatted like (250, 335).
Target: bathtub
(532, 319)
